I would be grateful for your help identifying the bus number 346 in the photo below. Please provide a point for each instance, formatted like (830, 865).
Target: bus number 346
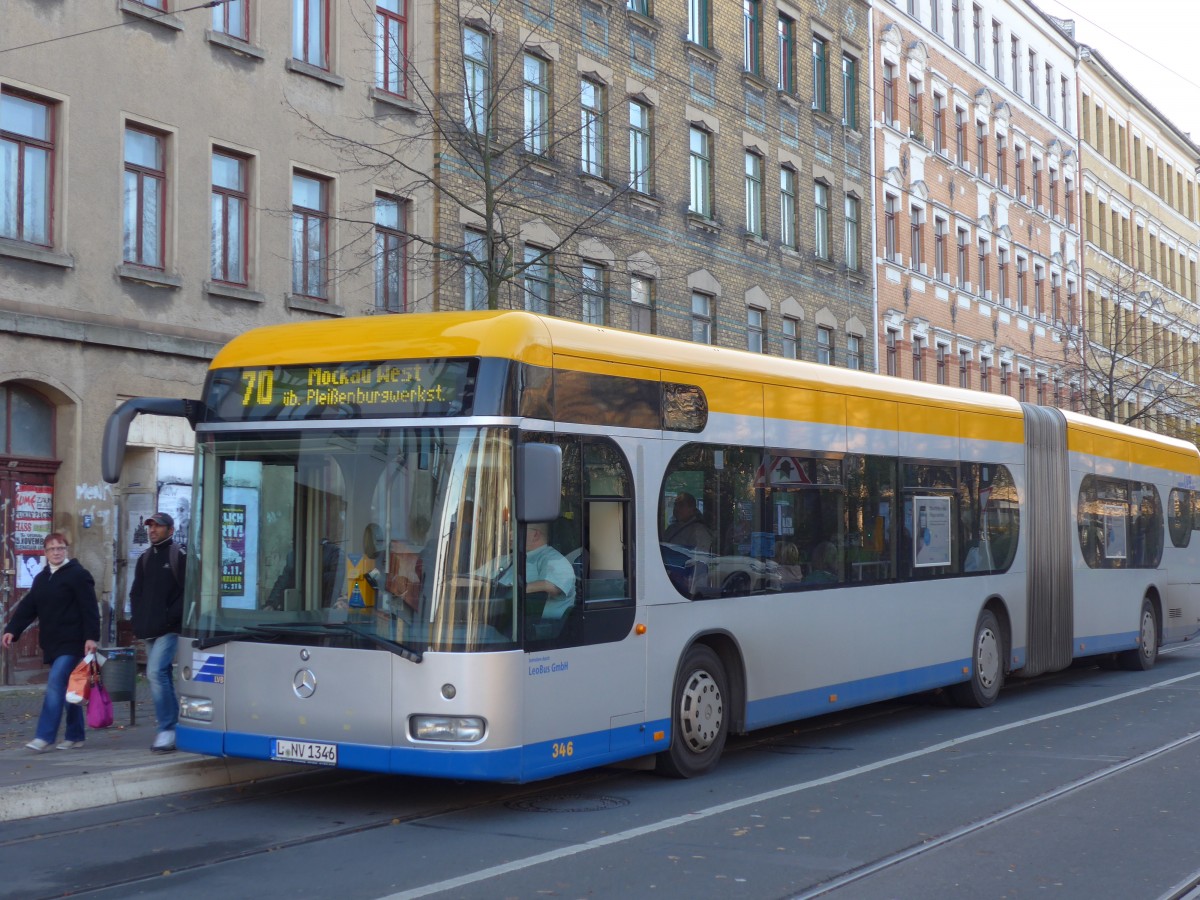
(561, 750)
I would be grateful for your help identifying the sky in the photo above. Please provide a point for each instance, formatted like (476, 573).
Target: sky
(1151, 43)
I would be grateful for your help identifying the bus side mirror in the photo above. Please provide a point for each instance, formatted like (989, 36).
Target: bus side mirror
(539, 482)
(116, 429)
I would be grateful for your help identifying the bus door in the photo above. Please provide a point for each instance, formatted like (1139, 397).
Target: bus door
(585, 675)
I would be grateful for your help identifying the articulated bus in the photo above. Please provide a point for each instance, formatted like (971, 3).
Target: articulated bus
(502, 546)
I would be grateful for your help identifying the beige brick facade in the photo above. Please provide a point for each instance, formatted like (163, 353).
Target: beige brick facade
(977, 242)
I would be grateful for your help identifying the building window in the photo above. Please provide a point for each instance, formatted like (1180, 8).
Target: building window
(1069, 200)
(825, 345)
(754, 194)
(964, 258)
(850, 92)
(1039, 298)
(1036, 198)
(1033, 77)
(889, 227)
(1022, 301)
(853, 351)
(1001, 162)
(1015, 53)
(1064, 89)
(960, 136)
(475, 288)
(591, 125)
(232, 18)
(1002, 276)
(892, 339)
(786, 31)
(391, 246)
(26, 168)
(310, 32)
(1049, 90)
(918, 358)
(977, 33)
(638, 6)
(981, 153)
(537, 104)
(1019, 171)
(595, 294)
(935, 17)
(820, 68)
(752, 35)
(230, 208)
(956, 23)
(310, 235)
(391, 43)
(755, 330)
(145, 198)
(984, 279)
(641, 309)
(698, 22)
(964, 368)
(996, 51)
(1055, 297)
(702, 318)
(914, 109)
(939, 249)
(941, 351)
(787, 207)
(853, 256)
(916, 238)
(700, 150)
(889, 94)
(640, 147)
(1023, 385)
(939, 123)
(538, 286)
(821, 220)
(791, 338)
(1005, 378)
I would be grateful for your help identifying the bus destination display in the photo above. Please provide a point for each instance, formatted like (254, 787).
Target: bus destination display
(390, 388)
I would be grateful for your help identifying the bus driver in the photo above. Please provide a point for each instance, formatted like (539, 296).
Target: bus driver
(546, 571)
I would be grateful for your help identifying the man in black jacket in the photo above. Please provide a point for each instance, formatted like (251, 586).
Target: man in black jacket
(63, 600)
(156, 600)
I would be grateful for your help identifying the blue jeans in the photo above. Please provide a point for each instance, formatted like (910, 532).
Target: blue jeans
(160, 656)
(56, 699)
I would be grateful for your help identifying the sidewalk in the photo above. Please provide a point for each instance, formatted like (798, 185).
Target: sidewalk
(114, 765)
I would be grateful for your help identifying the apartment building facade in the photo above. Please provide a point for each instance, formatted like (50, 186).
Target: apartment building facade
(1139, 357)
(173, 175)
(978, 268)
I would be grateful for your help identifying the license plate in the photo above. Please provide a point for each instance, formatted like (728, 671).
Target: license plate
(306, 752)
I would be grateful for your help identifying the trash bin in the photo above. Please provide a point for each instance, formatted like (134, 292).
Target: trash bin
(120, 677)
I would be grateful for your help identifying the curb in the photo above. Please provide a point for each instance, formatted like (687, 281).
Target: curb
(27, 801)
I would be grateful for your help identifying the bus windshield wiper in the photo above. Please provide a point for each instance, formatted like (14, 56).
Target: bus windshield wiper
(400, 650)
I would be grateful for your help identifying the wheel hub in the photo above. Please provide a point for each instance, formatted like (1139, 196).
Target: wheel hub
(702, 711)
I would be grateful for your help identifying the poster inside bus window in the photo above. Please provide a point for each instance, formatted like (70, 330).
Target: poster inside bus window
(375, 389)
(931, 536)
(1114, 532)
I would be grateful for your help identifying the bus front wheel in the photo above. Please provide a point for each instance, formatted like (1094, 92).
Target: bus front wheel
(699, 717)
(1146, 653)
(987, 665)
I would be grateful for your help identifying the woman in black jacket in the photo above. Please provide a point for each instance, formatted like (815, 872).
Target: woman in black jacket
(63, 600)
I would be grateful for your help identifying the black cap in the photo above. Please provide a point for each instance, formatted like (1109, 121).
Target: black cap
(161, 518)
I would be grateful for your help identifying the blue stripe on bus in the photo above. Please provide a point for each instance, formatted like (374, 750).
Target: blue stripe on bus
(1104, 643)
(815, 702)
(541, 760)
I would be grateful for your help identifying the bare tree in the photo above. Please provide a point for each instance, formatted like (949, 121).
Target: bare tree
(520, 168)
(1133, 359)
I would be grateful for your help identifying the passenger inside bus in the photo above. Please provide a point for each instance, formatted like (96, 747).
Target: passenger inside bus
(686, 528)
(824, 565)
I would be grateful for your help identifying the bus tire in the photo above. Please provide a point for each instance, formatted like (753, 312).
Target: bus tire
(1146, 654)
(987, 665)
(699, 717)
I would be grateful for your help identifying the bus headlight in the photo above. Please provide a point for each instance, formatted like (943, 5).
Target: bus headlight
(460, 729)
(198, 708)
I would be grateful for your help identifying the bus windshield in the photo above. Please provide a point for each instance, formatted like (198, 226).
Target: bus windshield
(385, 537)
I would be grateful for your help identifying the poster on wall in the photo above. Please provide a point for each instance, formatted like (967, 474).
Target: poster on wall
(233, 550)
(176, 501)
(31, 524)
(931, 537)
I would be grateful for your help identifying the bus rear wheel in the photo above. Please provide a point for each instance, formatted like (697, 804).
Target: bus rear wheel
(699, 718)
(1145, 655)
(987, 665)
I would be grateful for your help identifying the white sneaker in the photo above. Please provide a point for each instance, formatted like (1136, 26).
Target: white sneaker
(70, 745)
(37, 745)
(164, 742)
